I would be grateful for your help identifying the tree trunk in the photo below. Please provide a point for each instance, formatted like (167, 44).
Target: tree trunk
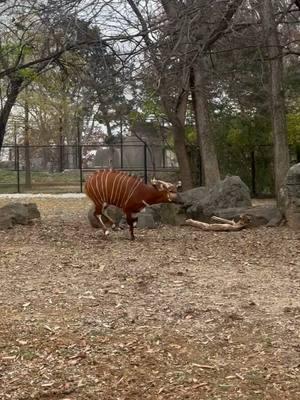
(185, 173)
(61, 154)
(111, 142)
(27, 148)
(13, 91)
(210, 166)
(276, 98)
(177, 120)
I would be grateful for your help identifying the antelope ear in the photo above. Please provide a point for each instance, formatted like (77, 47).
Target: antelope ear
(179, 186)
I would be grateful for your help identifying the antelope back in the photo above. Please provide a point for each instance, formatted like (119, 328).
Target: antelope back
(112, 187)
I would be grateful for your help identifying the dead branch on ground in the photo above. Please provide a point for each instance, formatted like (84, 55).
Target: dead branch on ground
(226, 224)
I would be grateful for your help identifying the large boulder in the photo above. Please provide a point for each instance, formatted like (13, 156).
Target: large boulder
(194, 195)
(201, 203)
(18, 213)
(231, 192)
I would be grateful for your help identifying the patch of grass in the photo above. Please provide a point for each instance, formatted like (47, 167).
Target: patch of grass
(7, 176)
(56, 182)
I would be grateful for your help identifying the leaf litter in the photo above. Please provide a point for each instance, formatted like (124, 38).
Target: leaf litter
(177, 314)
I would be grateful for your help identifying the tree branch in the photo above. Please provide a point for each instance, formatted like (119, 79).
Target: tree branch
(223, 24)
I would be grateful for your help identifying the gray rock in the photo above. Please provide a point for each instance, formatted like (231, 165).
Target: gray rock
(18, 213)
(5, 221)
(232, 213)
(194, 195)
(33, 212)
(269, 216)
(201, 203)
(146, 220)
(169, 214)
(231, 192)
(289, 198)
(195, 211)
(115, 213)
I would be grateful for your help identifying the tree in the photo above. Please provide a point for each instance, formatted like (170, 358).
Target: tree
(277, 101)
(179, 57)
(31, 44)
(172, 92)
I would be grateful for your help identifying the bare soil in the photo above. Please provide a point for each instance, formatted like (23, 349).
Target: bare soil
(178, 314)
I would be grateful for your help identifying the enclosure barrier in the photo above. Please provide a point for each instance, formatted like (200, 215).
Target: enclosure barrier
(63, 168)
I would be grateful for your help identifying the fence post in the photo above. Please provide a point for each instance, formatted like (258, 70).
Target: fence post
(80, 166)
(253, 173)
(16, 155)
(145, 164)
(79, 154)
(121, 143)
(164, 156)
(18, 168)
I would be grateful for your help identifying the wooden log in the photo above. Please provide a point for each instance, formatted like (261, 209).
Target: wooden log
(225, 221)
(225, 227)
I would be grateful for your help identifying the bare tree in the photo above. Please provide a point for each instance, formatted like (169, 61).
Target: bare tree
(174, 100)
(188, 32)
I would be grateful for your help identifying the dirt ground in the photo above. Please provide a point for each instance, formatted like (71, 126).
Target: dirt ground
(177, 314)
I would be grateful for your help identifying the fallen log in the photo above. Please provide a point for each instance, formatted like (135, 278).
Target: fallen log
(226, 226)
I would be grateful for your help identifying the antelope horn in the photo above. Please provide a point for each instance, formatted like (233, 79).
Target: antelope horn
(164, 184)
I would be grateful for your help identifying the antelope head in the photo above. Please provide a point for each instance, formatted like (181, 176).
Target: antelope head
(168, 190)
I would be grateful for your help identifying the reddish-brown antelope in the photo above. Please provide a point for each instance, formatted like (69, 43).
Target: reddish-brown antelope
(130, 193)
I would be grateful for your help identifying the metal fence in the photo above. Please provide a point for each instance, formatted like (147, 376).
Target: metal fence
(63, 168)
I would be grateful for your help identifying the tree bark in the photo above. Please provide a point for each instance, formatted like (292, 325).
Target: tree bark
(13, 91)
(276, 98)
(209, 160)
